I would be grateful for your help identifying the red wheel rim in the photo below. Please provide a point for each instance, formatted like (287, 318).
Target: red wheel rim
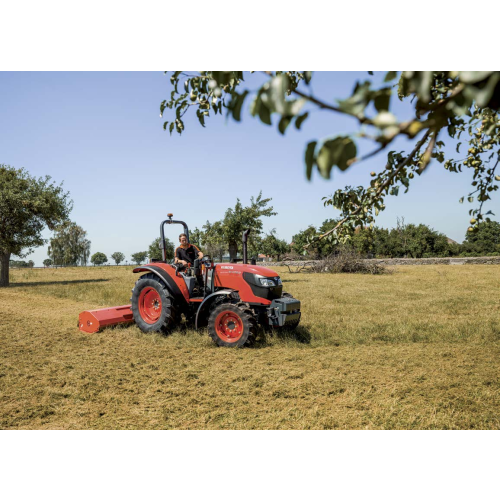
(229, 326)
(149, 305)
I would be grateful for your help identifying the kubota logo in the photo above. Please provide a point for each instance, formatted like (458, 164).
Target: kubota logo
(226, 267)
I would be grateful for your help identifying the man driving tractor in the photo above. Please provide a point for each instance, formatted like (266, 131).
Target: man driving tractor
(186, 253)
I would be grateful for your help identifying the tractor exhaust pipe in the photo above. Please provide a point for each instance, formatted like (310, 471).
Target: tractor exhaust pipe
(244, 239)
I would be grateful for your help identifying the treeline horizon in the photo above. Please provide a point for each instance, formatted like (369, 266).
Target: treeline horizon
(404, 240)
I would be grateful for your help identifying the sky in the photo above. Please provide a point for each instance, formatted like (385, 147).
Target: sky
(102, 135)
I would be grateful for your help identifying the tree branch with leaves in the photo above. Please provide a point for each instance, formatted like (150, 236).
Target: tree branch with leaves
(446, 103)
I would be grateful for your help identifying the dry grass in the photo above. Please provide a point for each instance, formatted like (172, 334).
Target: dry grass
(415, 349)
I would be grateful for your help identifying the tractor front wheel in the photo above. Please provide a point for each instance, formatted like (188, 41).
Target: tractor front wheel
(152, 306)
(231, 325)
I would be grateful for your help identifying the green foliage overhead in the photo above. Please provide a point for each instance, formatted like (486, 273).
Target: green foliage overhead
(98, 259)
(69, 246)
(118, 257)
(456, 105)
(27, 206)
(139, 257)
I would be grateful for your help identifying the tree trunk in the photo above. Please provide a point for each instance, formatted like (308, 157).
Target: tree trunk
(233, 250)
(4, 269)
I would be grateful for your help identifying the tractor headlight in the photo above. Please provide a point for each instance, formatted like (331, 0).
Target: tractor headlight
(267, 282)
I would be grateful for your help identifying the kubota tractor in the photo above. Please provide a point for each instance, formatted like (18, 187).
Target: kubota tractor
(231, 299)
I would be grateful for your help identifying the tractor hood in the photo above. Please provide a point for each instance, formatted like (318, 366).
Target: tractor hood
(245, 268)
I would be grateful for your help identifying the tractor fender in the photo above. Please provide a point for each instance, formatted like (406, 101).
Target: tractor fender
(167, 279)
(201, 315)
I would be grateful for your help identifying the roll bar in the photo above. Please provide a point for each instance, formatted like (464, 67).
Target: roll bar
(162, 233)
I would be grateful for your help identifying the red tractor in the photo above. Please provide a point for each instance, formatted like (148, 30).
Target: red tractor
(231, 299)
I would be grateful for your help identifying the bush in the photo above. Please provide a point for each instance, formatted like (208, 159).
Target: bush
(348, 261)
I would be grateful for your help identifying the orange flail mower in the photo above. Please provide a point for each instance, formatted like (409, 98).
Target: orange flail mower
(230, 299)
(93, 321)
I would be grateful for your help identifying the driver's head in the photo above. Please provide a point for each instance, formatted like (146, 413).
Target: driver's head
(183, 240)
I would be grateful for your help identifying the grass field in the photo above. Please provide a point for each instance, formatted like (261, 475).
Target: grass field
(417, 349)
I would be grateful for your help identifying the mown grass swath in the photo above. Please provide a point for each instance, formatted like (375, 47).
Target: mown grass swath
(418, 348)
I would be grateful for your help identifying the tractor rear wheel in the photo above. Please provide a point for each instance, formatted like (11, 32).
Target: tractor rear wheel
(231, 325)
(153, 307)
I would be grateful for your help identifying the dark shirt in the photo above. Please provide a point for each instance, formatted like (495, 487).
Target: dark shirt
(188, 254)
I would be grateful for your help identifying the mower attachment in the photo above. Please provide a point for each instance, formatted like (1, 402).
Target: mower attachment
(93, 321)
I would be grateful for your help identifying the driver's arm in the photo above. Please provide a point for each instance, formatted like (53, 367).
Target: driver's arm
(177, 259)
(200, 253)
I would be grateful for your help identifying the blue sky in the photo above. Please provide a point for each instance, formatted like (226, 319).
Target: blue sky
(102, 135)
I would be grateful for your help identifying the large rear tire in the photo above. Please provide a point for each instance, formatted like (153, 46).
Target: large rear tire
(153, 307)
(231, 325)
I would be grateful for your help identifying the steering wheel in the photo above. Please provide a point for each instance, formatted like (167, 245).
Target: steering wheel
(206, 260)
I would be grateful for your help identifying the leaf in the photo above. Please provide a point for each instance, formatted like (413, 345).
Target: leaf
(236, 105)
(264, 114)
(337, 152)
(382, 99)
(171, 128)
(356, 104)
(309, 158)
(283, 124)
(165, 126)
(458, 147)
(370, 73)
(300, 119)
(390, 75)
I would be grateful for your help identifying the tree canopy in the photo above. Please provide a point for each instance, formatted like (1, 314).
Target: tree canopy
(486, 240)
(154, 251)
(458, 105)
(139, 257)
(98, 259)
(69, 246)
(27, 206)
(118, 257)
(238, 219)
(273, 246)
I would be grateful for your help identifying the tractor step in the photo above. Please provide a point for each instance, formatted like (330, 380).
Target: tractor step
(93, 321)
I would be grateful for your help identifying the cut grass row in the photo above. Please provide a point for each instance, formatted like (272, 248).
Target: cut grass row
(415, 349)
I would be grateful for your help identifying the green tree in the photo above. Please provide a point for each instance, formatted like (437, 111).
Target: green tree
(27, 206)
(98, 259)
(455, 105)
(273, 246)
(154, 251)
(31, 264)
(139, 257)
(238, 219)
(301, 240)
(47, 262)
(196, 237)
(484, 240)
(69, 246)
(18, 263)
(363, 241)
(213, 239)
(118, 257)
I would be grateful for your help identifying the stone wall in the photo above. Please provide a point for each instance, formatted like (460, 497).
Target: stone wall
(405, 262)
